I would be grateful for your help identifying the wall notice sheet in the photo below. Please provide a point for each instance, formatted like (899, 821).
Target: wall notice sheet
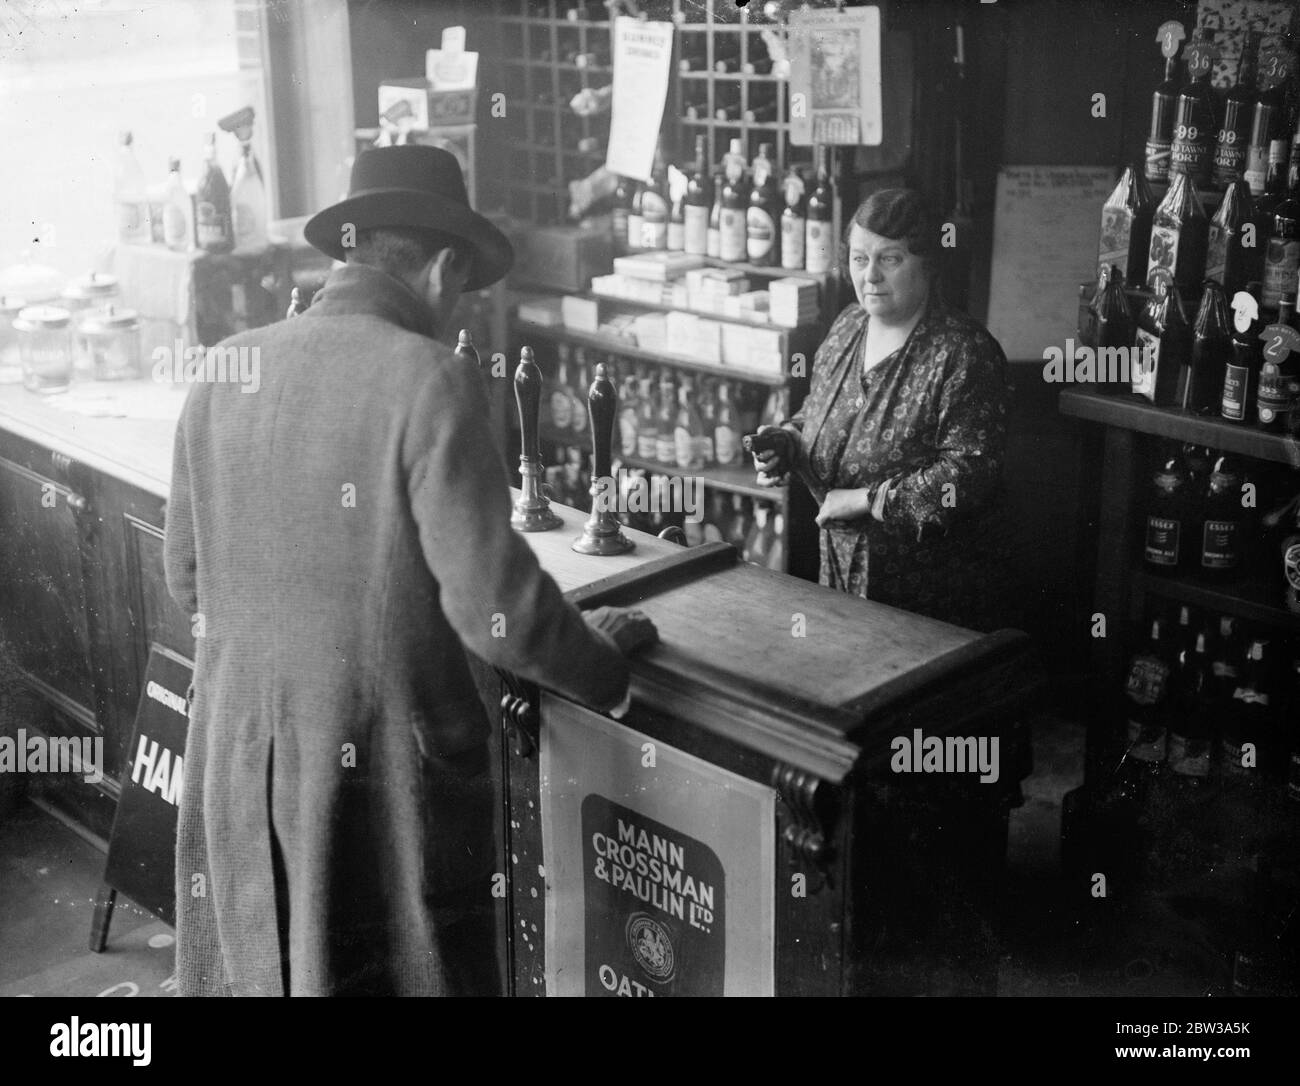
(642, 56)
(1045, 232)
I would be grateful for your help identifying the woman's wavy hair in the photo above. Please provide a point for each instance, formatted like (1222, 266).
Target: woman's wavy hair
(901, 215)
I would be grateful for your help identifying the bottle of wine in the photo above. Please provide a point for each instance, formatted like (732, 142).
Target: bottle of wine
(1160, 137)
(1189, 723)
(677, 185)
(1115, 327)
(1268, 134)
(794, 221)
(1194, 129)
(708, 405)
(666, 422)
(212, 207)
(1126, 227)
(763, 233)
(1224, 527)
(696, 212)
(1282, 254)
(248, 208)
(726, 441)
(1233, 137)
(628, 415)
(654, 208)
(635, 220)
(1248, 725)
(1147, 694)
(561, 398)
(1241, 374)
(1200, 382)
(732, 225)
(578, 393)
(178, 211)
(819, 250)
(1164, 345)
(646, 421)
(1228, 261)
(1169, 512)
(622, 208)
(713, 245)
(134, 226)
(688, 430)
(1179, 235)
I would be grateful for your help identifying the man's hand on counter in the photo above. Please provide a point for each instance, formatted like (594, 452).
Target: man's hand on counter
(629, 629)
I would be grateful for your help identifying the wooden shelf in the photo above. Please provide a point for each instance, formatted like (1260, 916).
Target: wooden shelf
(799, 331)
(1253, 598)
(1132, 413)
(628, 350)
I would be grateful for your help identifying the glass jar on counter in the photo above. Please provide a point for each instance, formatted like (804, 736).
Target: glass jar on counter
(80, 296)
(11, 363)
(45, 347)
(110, 338)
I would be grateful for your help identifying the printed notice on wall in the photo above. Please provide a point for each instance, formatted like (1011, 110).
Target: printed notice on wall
(659, 866)
(642, 56)
(1045, 235)
(835, 80)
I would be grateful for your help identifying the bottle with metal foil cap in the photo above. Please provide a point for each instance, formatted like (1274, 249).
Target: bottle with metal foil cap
(1179, 235)
(1229, 260)
(1163, 345)
(1166, 545)
(1225, 523)
(1241, 374)
(1164, 104)
(1195, 121)
(1233, 138)
(1200, 381)
(1114, 325)
(1126, 226)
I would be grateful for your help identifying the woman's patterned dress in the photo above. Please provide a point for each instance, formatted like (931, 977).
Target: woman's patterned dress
(930, 420)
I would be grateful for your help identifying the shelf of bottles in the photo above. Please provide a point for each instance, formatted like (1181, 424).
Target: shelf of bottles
(551, 51)
(677, 454)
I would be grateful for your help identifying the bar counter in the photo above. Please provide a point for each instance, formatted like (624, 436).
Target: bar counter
(756, 755)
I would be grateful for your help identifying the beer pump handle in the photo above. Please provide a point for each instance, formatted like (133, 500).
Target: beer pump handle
(465, 348)
(602, 401)
(528, 392)
(295, 303)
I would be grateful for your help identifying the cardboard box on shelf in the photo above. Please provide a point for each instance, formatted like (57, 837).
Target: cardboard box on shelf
(580, 314)
(563, 257)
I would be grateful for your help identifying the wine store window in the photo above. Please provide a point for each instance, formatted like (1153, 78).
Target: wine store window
(165, 73)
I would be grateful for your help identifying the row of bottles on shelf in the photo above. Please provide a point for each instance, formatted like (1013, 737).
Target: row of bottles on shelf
(665, 416)
(727, 60)
(721, 214)
(1206, 697)
(755, 528)
(1214, 137)
(1224, 518)
(213, 215)
(1240, 368)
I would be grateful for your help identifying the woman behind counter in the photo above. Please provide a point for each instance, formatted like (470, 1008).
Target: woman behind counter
(904, 428)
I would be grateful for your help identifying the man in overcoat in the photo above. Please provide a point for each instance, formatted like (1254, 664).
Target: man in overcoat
(341, 536)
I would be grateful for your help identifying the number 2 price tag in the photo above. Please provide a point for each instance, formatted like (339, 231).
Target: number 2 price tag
(1279, 341)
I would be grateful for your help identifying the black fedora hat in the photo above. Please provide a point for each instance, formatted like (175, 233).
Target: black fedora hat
(413, 185)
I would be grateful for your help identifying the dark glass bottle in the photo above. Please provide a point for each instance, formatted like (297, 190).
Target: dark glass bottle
(1115, 328)
(794, 221)
(1200, 382)
(1164, 346)
(696, 212)
(1224, 524)
(714, 243)
(1179, 235)
(676, 217)
(1147, 695)
(1290, 561)
(622, 207)
(212, 225)
(1164, 104)
(1126, 227)
(666, 421)
(1282, 251)
(654, 208)
(1233, 138)
(819, 250)
(732, 240)
(1268, 136)
(1189, 723)
(1229, 261)
(1194, 129)
(763, 218)
(1168, 515)
(635, 222)
(1248, 720)
(1279, 380)
(1241, 375)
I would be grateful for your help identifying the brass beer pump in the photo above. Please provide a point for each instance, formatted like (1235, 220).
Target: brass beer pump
(602, 534)
(532, 512)
(466, 350)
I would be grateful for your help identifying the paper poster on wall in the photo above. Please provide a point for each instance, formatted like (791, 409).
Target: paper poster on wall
(642, 56)
(1046, 227)
(659, 877)
(835, 82)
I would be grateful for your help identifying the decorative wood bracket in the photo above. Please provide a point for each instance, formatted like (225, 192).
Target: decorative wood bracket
(813, 809)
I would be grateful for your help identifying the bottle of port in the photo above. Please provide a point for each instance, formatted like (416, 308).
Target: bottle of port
(655, 208)
(732, 241)
(763, 230)
(1179, 235)
(713, 245)
(1164, 104)
(1282, 251)
(726, 441)
(1241, 374)
(1164, 344)
(1233, 138)
(688, 430)
(794, 221)
(1269, 137)
(1194, 127)
(1228, 260)
(1200, 382)
(1115, 329)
